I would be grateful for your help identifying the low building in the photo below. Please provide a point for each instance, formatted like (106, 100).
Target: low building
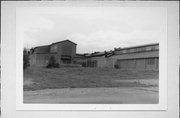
(63, 52)
(143, 57)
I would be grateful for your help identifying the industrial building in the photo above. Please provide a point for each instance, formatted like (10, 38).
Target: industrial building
(63, 51)
(143, 57)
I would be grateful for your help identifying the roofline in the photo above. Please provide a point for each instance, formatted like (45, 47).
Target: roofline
(145, 45)
(41, 46)
(54, 43)
(137, 52)
(61, 42)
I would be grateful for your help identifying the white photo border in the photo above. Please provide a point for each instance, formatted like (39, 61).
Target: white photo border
(162, 105)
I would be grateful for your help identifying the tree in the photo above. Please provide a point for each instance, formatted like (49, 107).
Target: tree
(25, 58)
(52, 63)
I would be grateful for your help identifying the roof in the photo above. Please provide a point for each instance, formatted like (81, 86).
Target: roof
(44, 48)
(41, 46)
(64, 41)
(41, 49)
(98, 54)
(137, 55)
(139, 46)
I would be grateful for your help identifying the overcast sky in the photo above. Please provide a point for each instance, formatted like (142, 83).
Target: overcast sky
(91, 28)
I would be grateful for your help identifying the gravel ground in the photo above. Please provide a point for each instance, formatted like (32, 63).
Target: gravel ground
(119, 95)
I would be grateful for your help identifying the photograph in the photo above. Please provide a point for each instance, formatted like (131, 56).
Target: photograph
(95, 59)
(91, 55)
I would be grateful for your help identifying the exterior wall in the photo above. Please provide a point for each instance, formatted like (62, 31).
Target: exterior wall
(135, 61)
(129, 61)
(139, 64)
(152, 64)
(99, 62)
(145, 48)
(54, 48)
(105, 62)
(64, 49)
(32, 59)
(68, 48)
(137, 55)
(40, 59)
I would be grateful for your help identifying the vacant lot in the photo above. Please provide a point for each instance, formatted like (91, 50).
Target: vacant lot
(79, 77)
(90, 86)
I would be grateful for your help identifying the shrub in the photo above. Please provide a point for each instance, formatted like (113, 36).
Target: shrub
(56, 65)
(52, 63)
(116, 66)
(25, 59)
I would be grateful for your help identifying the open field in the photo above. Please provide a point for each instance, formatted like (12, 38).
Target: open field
(90, 86)
(42, 78)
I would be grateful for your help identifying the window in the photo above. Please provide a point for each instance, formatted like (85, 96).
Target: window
(132, 50)
(139, 49)
(150, 61)
(157, 47)
(152, 47)
(148, 48)
(127, 51)
(143, 48)
(124, 51)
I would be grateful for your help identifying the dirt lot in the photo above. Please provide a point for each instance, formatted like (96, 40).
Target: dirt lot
(120, 95)
(90, 85)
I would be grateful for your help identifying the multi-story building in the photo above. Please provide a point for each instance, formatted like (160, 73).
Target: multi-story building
(63, 52)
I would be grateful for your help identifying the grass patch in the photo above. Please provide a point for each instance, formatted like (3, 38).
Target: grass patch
(43, 78)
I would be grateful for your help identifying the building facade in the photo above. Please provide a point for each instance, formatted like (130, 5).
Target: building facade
(63, 52)
(144, 57)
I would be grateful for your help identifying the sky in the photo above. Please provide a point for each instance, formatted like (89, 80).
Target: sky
(93, 29)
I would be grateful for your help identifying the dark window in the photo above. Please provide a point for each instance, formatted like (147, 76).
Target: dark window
(66, 61)
(153, 48)
(150, 61)
(127, 51)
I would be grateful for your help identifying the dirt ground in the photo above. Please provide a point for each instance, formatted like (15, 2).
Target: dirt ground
(119, 95)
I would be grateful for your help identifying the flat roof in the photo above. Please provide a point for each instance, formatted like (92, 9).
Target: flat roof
(41, 46)
(145, 45)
